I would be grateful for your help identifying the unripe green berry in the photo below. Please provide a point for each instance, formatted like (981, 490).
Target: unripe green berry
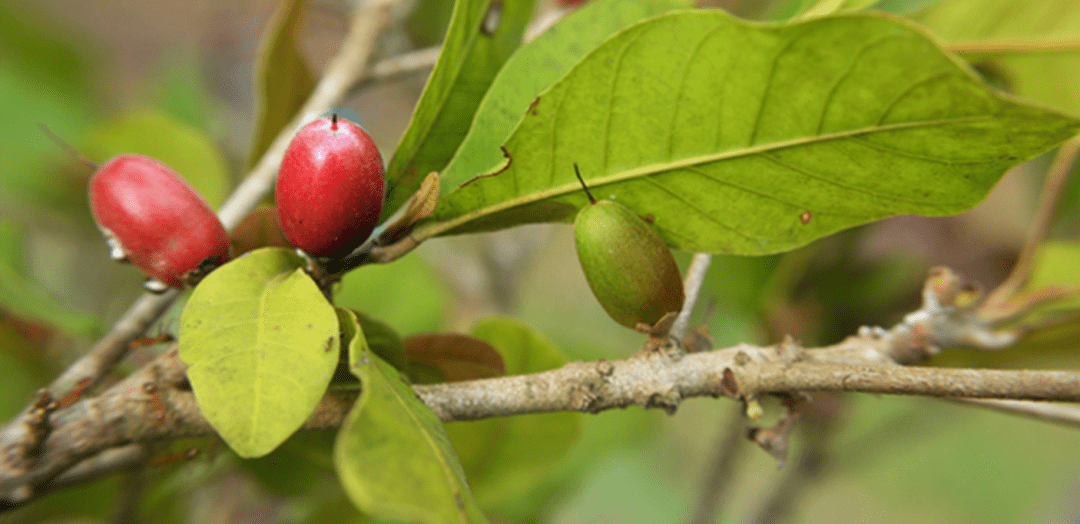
(627, 264)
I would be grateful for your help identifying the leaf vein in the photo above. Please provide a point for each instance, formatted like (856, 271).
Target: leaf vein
(700, 211)
(917, 156)
(612, 88)
(855, 59)
(687, 66)
(839, 184)
(762, 194)
(907, 91)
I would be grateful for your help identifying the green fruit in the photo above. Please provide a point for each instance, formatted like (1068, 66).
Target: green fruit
(629, 267)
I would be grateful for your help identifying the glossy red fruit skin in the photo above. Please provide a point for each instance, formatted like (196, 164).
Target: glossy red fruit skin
(162, 224)
(330, 188)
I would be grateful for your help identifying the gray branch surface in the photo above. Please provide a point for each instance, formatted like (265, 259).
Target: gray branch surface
(155, 403)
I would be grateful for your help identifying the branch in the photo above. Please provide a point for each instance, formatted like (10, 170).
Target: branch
(155, 402)
(662, 381)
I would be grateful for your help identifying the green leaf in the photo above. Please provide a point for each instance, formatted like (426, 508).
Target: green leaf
(427, 23)
(533, 68)
(383, 340)
(469, 61)
(283, 80)
(352, 336)
(504, 457)
(11, 245)
(752, 139)
(24, 298)
(1046, 75)
(393, 456)
(152, 133)
(262, 343)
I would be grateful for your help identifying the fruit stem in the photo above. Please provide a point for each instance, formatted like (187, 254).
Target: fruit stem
(333, 122)
(68, 147)
(583, 186)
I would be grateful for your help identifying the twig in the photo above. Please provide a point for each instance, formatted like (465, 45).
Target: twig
(905, 380)
(1015, 45)
(1066, 414)
(398, 66)
(125, 413)
(150, 404)
(1048, 202)
(341, 73)
(107, 463)
(112, 347)
(695, 276)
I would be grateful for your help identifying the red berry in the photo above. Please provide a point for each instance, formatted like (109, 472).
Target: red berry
(154, 218)
(330, 188)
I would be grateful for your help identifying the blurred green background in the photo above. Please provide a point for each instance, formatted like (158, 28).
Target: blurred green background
(174, 80)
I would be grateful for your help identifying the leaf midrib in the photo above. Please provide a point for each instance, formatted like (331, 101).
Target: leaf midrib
(260, 340)
(437, 228)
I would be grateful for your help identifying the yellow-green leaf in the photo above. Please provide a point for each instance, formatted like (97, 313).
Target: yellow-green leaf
(758, 138)
(393, 456)
(262, 343)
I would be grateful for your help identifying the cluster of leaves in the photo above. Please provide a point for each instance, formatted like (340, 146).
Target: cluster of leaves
(735, 137)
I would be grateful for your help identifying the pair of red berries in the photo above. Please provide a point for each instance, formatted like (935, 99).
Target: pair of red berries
(330, 192)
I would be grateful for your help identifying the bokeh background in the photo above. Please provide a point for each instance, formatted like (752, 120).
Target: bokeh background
(174, 80)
